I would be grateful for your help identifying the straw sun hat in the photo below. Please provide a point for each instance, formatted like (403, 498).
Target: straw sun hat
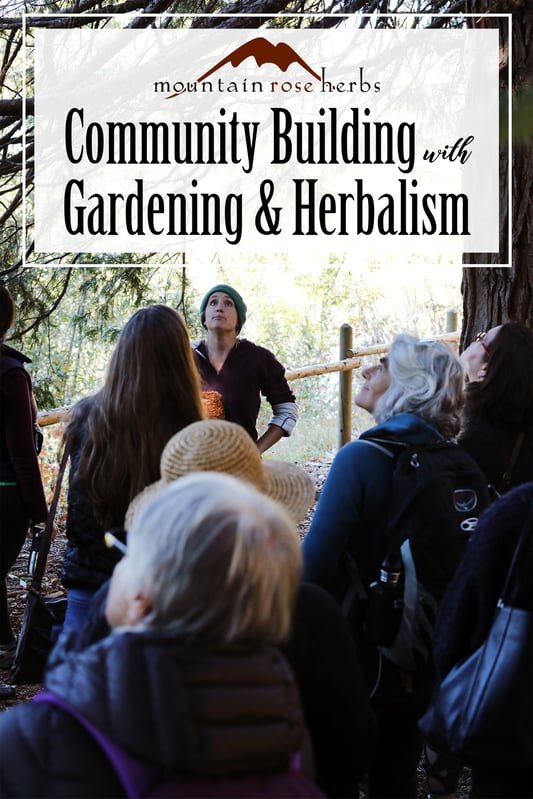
(215, 445)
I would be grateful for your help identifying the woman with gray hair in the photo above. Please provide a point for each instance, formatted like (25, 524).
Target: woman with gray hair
(421, 406)
(319, 648)
(190, 681)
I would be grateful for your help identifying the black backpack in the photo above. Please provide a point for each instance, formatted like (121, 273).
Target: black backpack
(438, 493)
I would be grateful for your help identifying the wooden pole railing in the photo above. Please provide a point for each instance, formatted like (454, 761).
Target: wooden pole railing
(345, 388)
(344, 429)
(54, 416)
(350, 359)
(347, 364)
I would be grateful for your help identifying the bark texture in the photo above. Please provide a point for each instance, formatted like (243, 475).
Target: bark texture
(492, 295)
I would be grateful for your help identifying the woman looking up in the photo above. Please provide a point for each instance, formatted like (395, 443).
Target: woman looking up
(421, 406)
(499, 404)
(240, 370)
(376, 382)
(115, 440)
(418, 401)
(22, 497)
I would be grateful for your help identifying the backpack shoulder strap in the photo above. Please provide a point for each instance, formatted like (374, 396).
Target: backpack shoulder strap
(393, 449)
(505, 481)
(46, 540)
(409, 482)
(135, 778)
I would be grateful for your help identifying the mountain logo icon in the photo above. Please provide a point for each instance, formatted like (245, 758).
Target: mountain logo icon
(264, 52)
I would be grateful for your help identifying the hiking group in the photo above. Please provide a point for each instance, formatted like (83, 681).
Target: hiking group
(206, 651)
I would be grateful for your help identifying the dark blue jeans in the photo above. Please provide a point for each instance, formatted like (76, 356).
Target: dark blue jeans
(78, 601)
(14, 523)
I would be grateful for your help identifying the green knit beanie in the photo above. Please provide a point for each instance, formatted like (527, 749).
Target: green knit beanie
(240, 305)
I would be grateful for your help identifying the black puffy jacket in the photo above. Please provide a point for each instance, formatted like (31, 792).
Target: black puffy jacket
(185, 709)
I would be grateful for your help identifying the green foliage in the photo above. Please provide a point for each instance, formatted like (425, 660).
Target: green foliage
(70, 314)
(294, 313)
(297, 315)
(70, 347)
(313, 437)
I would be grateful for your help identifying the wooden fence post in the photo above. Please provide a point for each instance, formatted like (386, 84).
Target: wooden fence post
(451, 320)
(345, 387)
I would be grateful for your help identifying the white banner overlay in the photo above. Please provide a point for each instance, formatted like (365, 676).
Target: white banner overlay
(373, 142)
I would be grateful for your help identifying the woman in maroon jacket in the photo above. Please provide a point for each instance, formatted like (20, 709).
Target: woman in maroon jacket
(241, 371)
(22, 497)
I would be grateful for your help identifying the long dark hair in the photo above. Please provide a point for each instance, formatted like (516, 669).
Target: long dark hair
(7, 313)
(505, 395)
(151, 391)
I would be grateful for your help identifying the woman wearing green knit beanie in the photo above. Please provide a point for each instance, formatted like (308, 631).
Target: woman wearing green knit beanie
(240, 370)
(238, 301)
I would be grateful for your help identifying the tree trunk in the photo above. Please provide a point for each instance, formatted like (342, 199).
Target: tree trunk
(492, 295)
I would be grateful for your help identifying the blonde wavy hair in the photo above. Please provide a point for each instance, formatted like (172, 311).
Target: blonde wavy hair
(218, 560)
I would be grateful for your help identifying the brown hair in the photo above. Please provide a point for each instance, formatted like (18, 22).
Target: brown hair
(151, 391)
(7, 310)
(505, 395)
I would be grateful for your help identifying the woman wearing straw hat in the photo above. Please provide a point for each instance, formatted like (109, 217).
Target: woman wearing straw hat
(320, 648)
(240, 370)
(216, 445)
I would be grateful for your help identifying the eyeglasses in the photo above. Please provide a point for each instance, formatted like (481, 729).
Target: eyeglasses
(479, 338)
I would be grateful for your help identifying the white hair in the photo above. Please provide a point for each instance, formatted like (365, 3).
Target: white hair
(217, 559)
(426, 379)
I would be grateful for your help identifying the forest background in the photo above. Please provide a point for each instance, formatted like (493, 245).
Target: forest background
(70, 315)
(295, 313)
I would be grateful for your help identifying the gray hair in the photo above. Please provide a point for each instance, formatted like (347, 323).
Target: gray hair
(217, 559)
(426, 379)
